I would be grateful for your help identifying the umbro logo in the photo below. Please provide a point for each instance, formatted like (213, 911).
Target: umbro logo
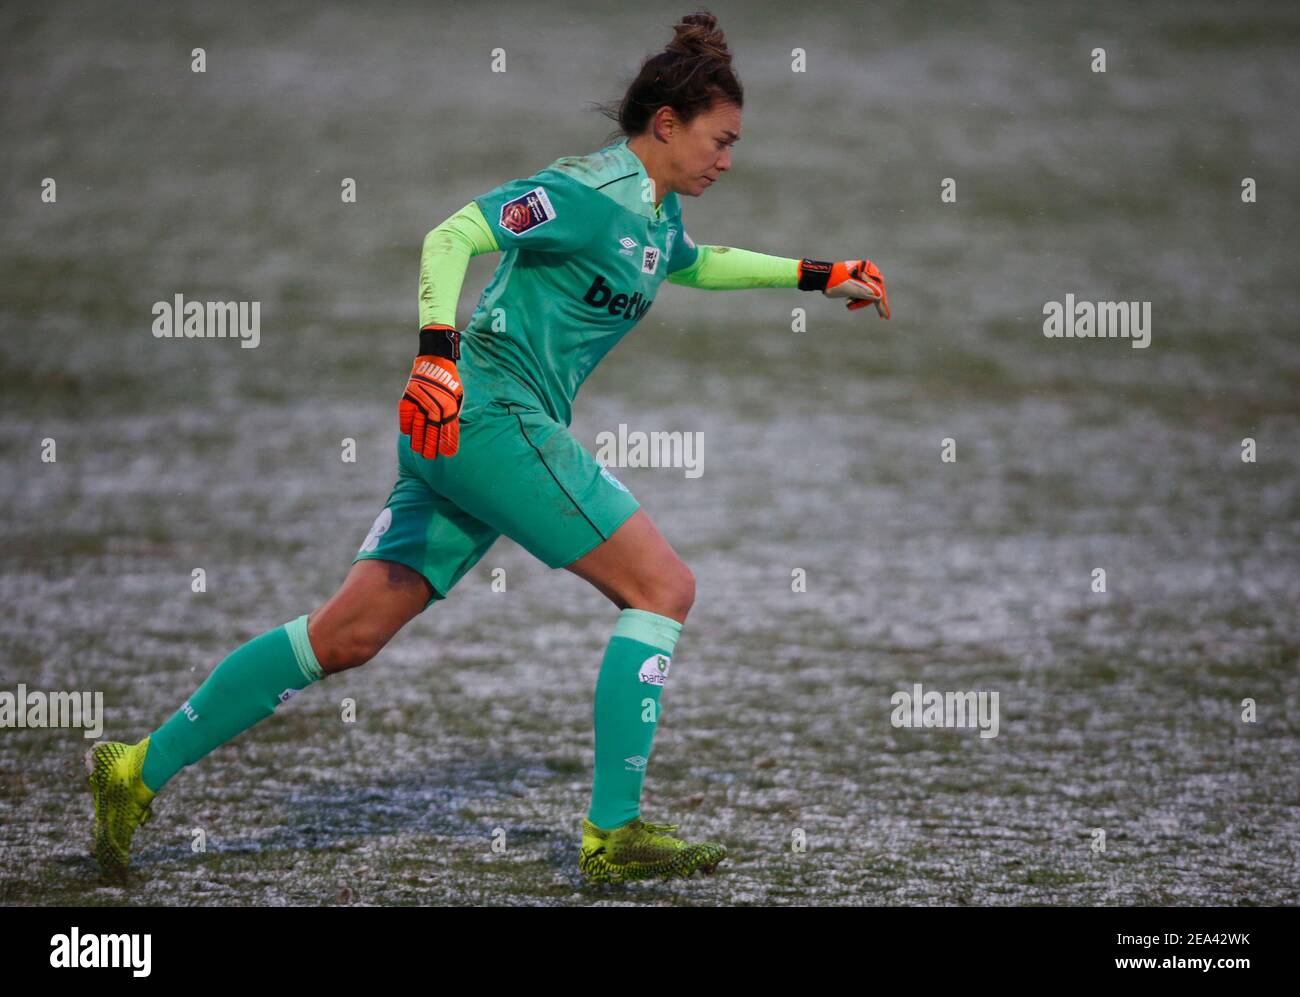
(636, 763)
(628, 244)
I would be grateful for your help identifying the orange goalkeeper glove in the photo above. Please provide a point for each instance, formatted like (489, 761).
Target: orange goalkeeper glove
(429, 411)
(858, 280)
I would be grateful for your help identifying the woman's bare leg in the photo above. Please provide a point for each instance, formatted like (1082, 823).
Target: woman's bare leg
(637, 568)
(376, 599)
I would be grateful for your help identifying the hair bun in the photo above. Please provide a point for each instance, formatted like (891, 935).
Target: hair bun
(691, 75)
(698, 34)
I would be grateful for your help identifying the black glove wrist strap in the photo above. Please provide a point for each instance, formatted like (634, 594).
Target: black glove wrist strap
(440, 341)
(814, 274)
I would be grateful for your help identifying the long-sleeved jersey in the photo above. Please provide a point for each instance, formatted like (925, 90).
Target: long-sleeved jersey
(584, 250)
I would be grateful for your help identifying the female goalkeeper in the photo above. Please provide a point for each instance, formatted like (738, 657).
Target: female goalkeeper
(484, 449)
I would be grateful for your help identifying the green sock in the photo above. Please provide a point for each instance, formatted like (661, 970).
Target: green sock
(244, 688)
(631, 679)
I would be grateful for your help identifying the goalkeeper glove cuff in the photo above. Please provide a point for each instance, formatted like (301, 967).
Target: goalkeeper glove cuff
(814, 274)
(440, 341)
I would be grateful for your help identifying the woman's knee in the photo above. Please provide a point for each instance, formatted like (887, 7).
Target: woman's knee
(668, 592)
(339, 647)
(374, 602)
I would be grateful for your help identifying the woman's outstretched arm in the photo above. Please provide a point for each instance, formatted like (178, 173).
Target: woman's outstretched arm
(726, 268)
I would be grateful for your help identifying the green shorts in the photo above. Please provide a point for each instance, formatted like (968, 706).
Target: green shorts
(518, 472)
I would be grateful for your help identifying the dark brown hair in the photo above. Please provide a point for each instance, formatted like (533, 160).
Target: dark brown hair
(692, 71)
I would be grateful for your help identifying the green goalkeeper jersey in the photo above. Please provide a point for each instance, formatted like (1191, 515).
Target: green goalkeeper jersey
(584, 250)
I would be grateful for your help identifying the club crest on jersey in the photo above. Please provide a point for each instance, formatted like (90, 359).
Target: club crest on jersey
(527, 211)
(650, 259)
(654, 670)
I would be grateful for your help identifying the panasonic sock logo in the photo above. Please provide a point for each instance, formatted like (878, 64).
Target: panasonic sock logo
(77, 951)
(601, 295)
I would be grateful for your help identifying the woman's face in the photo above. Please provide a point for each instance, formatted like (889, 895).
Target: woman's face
(701, 151)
